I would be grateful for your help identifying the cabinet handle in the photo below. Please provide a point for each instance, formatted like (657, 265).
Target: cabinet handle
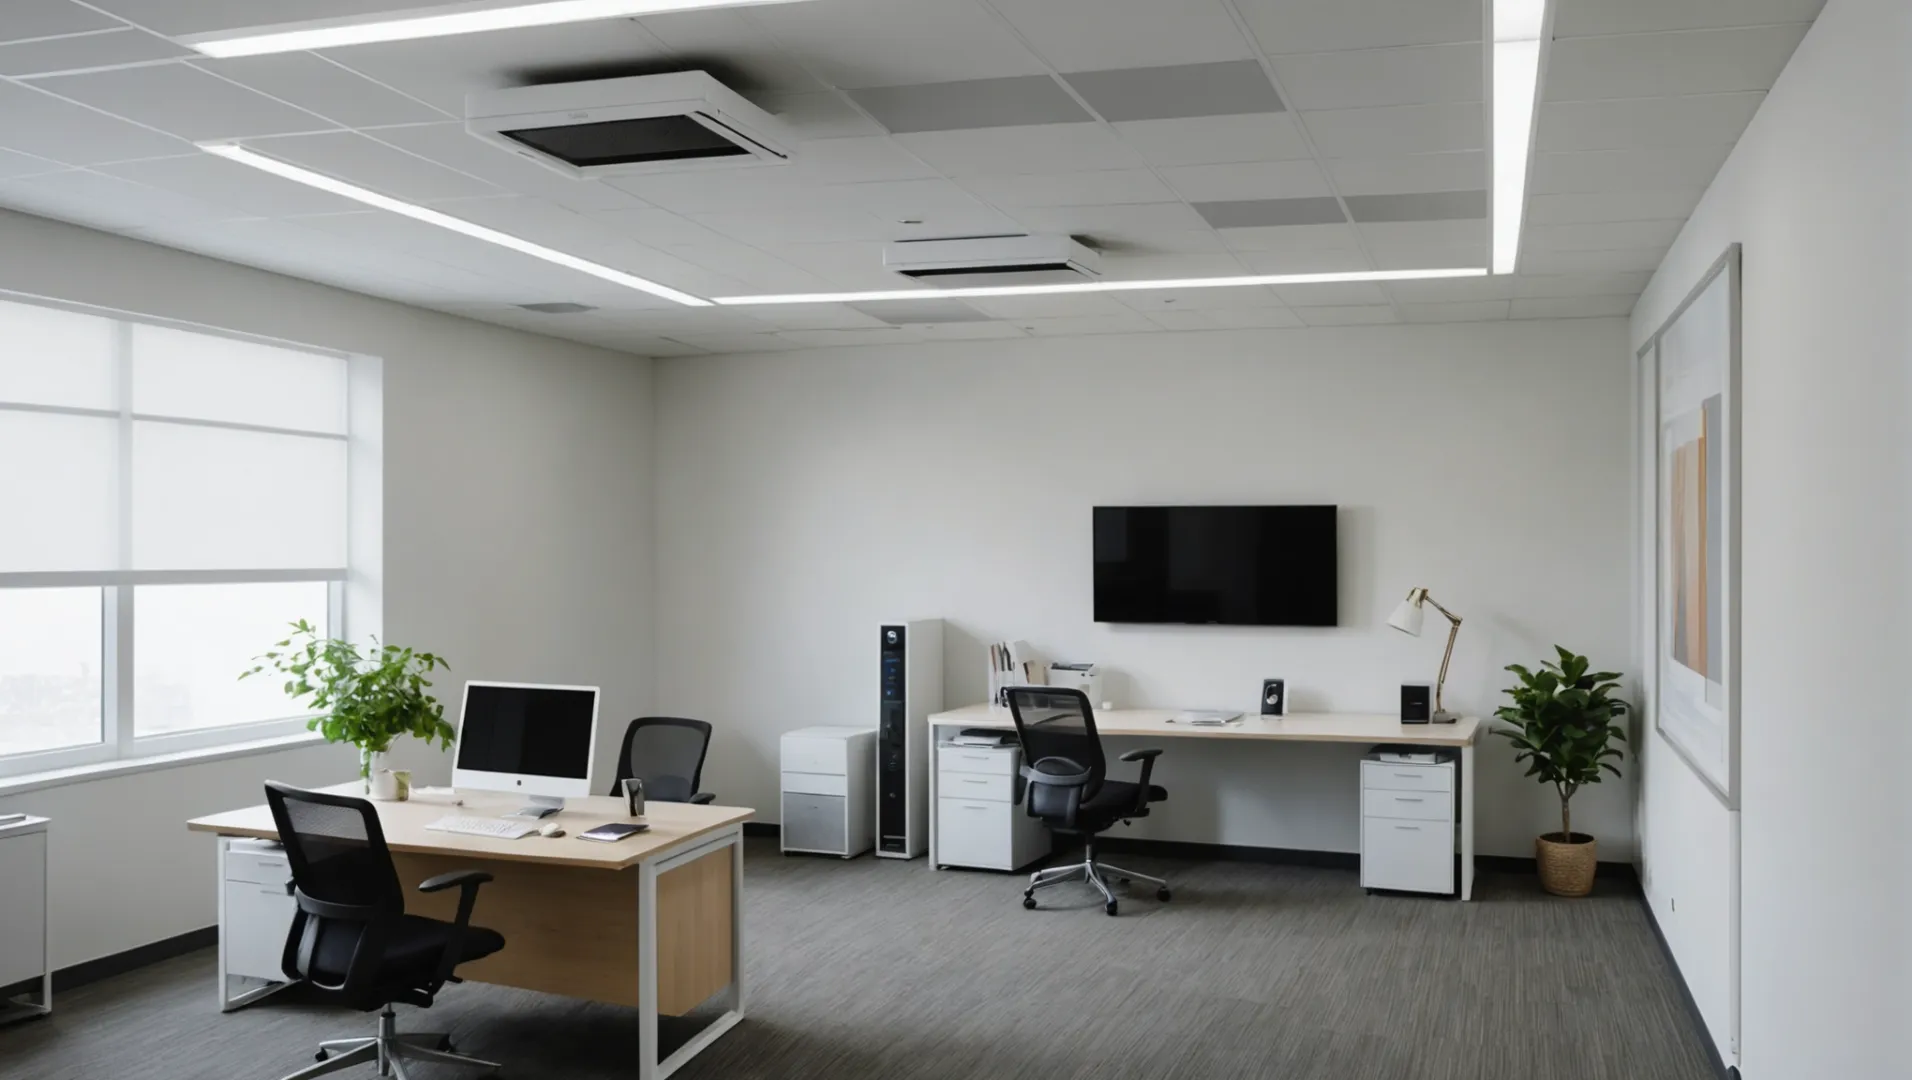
(1409, 828)
(1404, 798)
(967, 780)
(974, 806)
(273, 890)
(1409, 776)
(975, 757)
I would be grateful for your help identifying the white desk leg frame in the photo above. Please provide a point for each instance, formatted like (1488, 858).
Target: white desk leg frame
(649, 1067)
(258, 991)
(935, 807)
(1467, 822)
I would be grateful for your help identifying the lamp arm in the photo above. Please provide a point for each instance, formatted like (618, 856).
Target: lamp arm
(1452, 633)
(1453, 618)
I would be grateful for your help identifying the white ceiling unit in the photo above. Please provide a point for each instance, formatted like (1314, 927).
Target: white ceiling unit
(644, 124)
(994, 260)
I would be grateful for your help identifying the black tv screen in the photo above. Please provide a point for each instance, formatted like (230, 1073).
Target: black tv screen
(1227, 565)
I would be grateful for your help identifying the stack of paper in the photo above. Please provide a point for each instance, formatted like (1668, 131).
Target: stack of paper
(1013, 663)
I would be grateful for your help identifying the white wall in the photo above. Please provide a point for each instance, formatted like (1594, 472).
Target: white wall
(1816, 191)
(517, 496)
(805, 497)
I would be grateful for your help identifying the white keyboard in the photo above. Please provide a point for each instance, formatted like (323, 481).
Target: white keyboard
(482, 826)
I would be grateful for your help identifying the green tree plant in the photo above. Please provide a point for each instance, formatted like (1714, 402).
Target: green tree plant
(366, 699)
(1563, 723)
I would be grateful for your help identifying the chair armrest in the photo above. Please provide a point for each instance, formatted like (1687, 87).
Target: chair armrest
(455, 877)
(704, 798)
(1147, 758)
(468, 882)
(1071, 784)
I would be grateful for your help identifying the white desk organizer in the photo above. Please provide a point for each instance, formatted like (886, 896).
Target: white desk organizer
(1013, 663)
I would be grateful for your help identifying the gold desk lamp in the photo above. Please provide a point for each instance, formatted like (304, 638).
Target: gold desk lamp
(1407, 619)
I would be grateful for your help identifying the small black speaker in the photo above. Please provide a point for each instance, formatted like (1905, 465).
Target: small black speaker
(1417, 703)
(1274, 697)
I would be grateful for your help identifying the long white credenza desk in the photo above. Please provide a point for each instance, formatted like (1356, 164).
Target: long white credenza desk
(1361, 728)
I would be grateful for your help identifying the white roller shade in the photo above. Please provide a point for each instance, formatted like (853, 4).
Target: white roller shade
(207, 377)
(58, 492)
(49, 356)
(215, 498)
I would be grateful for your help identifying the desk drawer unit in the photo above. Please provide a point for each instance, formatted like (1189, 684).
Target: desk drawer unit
(978, 823)
(1407, 826)
(983, 760)
(257, 912)
(23, 911)
(829, 776)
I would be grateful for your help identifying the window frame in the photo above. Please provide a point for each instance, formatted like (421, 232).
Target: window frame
(119, 740)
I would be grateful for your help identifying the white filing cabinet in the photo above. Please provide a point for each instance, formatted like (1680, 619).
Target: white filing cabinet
(256, 909)
(23, 915)
(1407, 826)
(978, 823)
(829, 780)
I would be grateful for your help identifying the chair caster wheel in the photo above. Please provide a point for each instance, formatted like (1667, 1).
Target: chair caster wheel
(320, 1056)
(1109, 907)
(1162, 894)
(1028, 902)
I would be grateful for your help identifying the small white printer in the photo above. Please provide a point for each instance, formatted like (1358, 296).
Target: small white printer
(1084, 677)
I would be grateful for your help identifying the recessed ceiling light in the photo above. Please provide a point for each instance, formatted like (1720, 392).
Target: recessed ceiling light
(309, 178)
(442, 21)
(977, 291)
(1519, 28)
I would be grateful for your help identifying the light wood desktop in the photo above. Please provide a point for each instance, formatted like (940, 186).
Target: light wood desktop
(1364, 728)
(652, 921)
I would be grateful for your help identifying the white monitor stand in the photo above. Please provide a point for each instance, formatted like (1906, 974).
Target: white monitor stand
(540, 806)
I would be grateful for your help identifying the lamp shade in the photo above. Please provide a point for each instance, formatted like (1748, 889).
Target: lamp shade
(1407, 617)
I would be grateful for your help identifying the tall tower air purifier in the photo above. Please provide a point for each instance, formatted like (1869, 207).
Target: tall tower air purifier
(909, 689)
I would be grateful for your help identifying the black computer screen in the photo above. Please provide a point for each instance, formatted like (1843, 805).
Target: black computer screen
(527, 730)
(1235, 565)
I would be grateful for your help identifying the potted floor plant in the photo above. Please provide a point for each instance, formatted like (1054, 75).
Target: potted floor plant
(368, 699)
(1563, 724)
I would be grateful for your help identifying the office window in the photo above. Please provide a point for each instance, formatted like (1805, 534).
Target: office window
(175, 498)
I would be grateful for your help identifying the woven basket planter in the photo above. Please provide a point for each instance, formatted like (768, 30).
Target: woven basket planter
(1566, 869)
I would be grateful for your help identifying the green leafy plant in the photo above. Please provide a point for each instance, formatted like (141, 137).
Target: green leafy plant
(1562, 722)
(366, 699)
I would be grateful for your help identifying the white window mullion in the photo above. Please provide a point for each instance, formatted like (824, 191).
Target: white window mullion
(118, 699)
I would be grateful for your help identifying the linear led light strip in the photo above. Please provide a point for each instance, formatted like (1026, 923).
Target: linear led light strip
(977, 291)
(309, 178)
(1518, 29)
(435, 22)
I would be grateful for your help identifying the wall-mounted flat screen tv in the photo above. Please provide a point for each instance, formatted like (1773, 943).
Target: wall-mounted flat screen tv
(1225, 565)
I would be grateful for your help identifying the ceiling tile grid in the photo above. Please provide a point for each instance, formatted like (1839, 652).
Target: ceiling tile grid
(1185, 138)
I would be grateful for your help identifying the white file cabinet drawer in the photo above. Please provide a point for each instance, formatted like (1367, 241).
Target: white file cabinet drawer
(23, 906)
(1385, 776)
(818, 823)
(1430, 806)
(997, 788)
(815, 784)
(986, 834)
(258, 920)
(1412, 856)
(983, 760)
(808, 754)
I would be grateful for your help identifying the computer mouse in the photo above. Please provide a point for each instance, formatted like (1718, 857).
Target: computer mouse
(551, 829)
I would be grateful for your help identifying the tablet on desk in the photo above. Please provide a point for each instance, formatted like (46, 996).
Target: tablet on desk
(613, 831)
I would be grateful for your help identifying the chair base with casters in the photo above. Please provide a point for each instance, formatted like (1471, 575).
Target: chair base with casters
(1095, 873)
(389, 1050)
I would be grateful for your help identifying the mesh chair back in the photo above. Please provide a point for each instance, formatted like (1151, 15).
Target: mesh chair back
(1058, 723)
(336, 848)
(667, 753)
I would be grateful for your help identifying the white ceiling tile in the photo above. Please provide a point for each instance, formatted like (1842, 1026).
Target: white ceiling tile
(1146, 217)
(50, 18)
(1612, 206)
(1398, 245)
(1293, 238)
(184, 101)
(1636, 122)
(1590, 262)
(1171, 319)
(319, 86)
(733, 47)
(104, 202)
(302, 251)
(1129, 322)
(227, 183)
(821, 115)
(757, 270)
(858, 262)
(1602, 236)
(576, 234)
(897, 199)
(1253, 318)
(1154, 300)
(16, 164)
(1119, 239)
(859, 43)
(1628, 170)
(36, 123)
(374, 165)
(730, 342)
(814, 339)
(717, 190)
(1626, 283)
(1103, 187)
(1399, 129)
(1370, 78)
(1452, 290)
(1051, 306)
(85, 52)
(812, 225)
(1665, 65)
(1038, 148)
(1574, 307)
(1574, 18)
(848, 161)
(1101, 35)
(1332, 294)
(1410, 174)
(1284, 26)
(1168, 267)
(1214, 140)
(969, 331)
(951, 220)
(1281, 261)
(1248, 180)
(657, 227)
(815, 317)
(443, 70)
(1346, 316)
(201, 16)
(451, 146)
(1466, 311)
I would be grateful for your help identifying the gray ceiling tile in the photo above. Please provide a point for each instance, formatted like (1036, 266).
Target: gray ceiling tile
(1165, 93)
(1254, 213)
(917, 312)
(85, 52)
(1423, 206)
(977, 103)
(48, 18)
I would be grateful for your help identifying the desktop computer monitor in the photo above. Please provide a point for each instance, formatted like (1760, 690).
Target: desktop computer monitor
(538, 741)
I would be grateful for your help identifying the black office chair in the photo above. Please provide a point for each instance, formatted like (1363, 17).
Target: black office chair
(351, 941)
(1068, 786)
(667, 752)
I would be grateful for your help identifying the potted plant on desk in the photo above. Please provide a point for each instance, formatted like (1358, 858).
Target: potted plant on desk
(366, 700)
(1562, 722)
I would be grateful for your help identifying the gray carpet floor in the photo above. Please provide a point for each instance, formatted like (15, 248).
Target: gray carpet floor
(884, 969)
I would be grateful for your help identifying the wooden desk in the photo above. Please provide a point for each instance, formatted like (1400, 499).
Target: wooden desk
(565, 906)
(1362, 728)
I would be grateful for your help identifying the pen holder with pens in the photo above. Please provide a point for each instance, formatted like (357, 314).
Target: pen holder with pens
(1013, 663)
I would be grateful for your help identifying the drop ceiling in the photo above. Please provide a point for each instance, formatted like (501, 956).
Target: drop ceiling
(1185, 138)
